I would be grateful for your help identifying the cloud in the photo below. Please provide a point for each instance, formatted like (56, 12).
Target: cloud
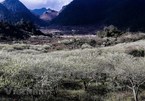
(54, 4)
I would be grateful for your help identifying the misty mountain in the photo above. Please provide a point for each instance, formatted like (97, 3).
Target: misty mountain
(39, 11)
(49, 15)
(121, 13)
(45, 14)
(18, 11)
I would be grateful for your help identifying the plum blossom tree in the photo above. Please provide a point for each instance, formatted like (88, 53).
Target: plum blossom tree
(131, 72)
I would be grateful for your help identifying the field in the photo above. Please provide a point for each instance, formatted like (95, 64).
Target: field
(107, 65)
(72, 50)
(83, 74)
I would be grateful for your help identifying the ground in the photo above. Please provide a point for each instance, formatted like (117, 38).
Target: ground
(63, 70)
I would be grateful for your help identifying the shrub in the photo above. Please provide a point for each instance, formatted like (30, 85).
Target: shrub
(86, 46)
(71, 85)
(131, 37)
(28, 27)
(92, 42)
(44, 70)
(110, 31)
(11, 32)
(98, 90)
(136, 52)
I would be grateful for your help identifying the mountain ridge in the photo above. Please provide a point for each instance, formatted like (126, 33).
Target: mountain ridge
(123, 13)
(19, 11)
(5, 14)
(49, 15)
(45, 14)
(39, 12)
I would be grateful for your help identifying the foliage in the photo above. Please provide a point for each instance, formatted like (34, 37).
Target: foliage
(28, 26)
(110, 31)
(20, 30)
(131, 72)
(10, 32)
(137, 53)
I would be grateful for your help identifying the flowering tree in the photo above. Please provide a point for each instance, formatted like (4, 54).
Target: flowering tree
(132, 72)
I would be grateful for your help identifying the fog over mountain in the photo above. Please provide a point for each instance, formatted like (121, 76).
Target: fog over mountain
(54, 4)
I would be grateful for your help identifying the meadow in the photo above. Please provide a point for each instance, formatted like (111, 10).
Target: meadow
(86, 74)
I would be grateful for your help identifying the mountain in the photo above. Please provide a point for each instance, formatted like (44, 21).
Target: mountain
(62, 8)
(45, 14)
(15, 6)
(121, 13)
(39, 11)
(5, 14)
(49, 15)
(20, 11)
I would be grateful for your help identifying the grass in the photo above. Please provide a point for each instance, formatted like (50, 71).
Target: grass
(80, 59)
(29, 66)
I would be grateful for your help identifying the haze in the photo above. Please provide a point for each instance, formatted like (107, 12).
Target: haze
(54, 4)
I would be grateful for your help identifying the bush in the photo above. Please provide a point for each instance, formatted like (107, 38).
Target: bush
(93, 42)
(131, 37)
(71, 85)
(98, 90)
(11, 32)
(136, 52)
(28, 27)
(86, 46)
(110, 31)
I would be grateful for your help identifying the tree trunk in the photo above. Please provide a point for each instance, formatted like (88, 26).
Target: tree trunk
(135, 93)
(85, 85)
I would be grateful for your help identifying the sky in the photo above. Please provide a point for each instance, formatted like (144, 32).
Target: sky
(54, 4)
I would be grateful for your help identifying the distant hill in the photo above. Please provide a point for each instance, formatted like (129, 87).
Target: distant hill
(121, 13)
(13, 11)
(39, 12)
(45, 14)
(17, 22)
(49, 15)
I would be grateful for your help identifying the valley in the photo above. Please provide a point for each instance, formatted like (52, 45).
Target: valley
(29, 67)
(72, 67)
(85, 51)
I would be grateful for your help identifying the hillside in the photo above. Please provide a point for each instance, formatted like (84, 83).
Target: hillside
(5, 14)
(29, 67)
(9, 32)
(123, 13)
(20, 31)
(45, 14)
(39, 11)
(49, 15)
(17, 11)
